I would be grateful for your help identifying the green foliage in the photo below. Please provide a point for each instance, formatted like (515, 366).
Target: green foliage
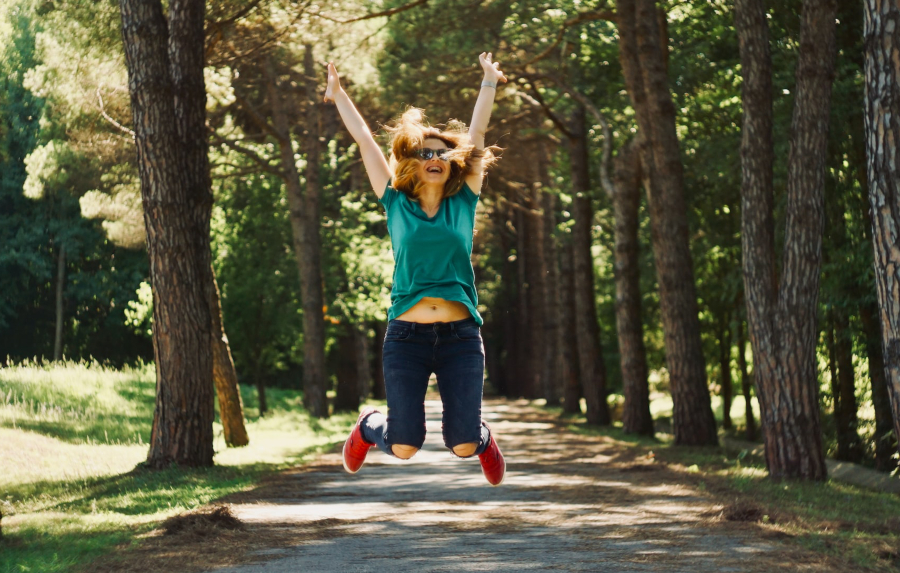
(40, 160)
(257, 273)
(139, 314)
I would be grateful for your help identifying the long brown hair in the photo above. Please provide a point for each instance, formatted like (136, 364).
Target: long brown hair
(408, 135)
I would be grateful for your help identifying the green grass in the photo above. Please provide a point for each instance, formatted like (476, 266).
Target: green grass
(71, 436)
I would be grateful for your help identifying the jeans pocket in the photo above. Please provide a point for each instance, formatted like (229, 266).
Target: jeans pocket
(468, 333)
(397, 332)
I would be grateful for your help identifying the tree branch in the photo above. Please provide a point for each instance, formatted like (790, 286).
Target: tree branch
(250, 154)
(580, 18)
(538, 100)
(275, 37)
(387, 13)
(257, 117)
(605, 181)
(234, 18)
(109, 118)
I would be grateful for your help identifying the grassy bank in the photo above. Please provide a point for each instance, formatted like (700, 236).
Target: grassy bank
(71, 436)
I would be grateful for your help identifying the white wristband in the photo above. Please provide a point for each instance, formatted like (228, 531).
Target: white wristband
(487, 84)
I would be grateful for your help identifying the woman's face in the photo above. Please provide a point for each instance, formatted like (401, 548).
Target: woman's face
(434, 170)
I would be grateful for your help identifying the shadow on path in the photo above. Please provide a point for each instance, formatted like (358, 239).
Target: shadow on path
(569, 503)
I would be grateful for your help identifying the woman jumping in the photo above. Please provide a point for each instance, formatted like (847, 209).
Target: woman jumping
(429, 191)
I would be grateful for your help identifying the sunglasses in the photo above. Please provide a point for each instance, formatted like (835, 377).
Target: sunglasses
(426, 153)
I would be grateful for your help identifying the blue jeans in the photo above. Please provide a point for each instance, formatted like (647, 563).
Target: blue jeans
(454, 352)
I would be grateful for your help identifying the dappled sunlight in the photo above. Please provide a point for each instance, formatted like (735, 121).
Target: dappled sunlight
(567, 498)
(43, 458)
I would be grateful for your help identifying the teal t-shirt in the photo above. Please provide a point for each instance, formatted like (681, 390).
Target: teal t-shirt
(432, 255)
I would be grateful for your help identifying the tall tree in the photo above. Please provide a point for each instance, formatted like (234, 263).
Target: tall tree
(782, 312)
(304, 216)
(643, 57)
(165, 58)
(636, 417)
(882, 42)
(592, 370)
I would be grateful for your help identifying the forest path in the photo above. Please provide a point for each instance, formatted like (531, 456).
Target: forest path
(569, 503)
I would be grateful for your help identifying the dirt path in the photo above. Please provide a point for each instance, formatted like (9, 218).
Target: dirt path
(569, 503)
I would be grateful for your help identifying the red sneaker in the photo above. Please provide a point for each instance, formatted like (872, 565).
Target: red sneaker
(356, 448)
(492, 463)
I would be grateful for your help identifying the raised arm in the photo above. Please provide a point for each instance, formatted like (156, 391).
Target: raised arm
(376, 165)
(482, 114)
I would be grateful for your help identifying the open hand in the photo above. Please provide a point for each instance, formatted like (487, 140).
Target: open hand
(334, 82)
(491, 69)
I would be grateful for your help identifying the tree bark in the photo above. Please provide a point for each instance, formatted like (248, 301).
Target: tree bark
(60, 290)
(591, 368)
(344, 360)
(644, 67)
(552, 375)
(177, 207)
(727, 391)
(314, 374)
(849, 444)
(885, 437)
(522, 383)
(231, 409)
(363, 367)
(536, 294)
(260, 390)
(572, 392)
(746, 385)
(378, 389)
(782, 318)
(882, 41)
(303, 211)
(636, 417)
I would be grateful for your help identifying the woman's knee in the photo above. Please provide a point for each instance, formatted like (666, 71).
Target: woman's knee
(404, 452)
(465, 450)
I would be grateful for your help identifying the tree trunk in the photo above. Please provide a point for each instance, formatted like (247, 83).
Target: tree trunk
(535, 273)
(378, 390)
(885, 437)
(835, 385)
(782, 318)
(849, 444)
(363, 367)
(314, 375)
(60, 290)
(521, 382)
(746, 385)
(636, 417)
(591, 368)
(643, 63)
(303, 211)
(231, 409)
(344, 360)
(725, 373)
(260, 388)
(552, 375)
(177, 201)
(572, 393)
(882, 41)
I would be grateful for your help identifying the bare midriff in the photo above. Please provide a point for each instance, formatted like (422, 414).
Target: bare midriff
(431, 309)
